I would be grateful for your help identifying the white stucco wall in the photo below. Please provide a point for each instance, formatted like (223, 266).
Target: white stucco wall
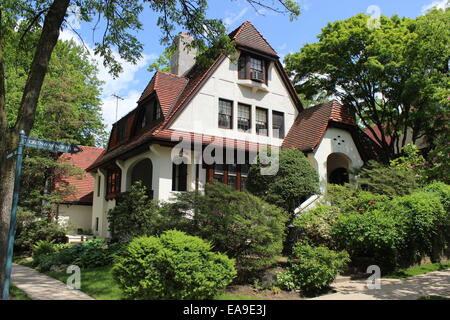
(75, 216)
(201, 114)
(335, 141)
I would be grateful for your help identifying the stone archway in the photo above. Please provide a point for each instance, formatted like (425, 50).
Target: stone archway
(142, 171)
(338, 166)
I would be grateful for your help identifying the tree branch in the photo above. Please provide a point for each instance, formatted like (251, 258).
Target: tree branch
(47, 41)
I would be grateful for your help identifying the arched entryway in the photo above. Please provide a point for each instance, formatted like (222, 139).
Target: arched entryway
(142, 171)
(338, 166)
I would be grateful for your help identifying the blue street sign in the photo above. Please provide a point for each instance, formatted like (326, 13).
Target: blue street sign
(51, 145)
(25, 141)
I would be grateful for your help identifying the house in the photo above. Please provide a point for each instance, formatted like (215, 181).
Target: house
(216, 119)
(76, 209)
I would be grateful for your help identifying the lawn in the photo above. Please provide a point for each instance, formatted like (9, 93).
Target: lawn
(417, 270)
(17, 294)
(99, 284)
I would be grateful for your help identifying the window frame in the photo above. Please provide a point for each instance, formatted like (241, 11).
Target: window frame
(231, 116)
(267, 121)
(249, 117)
(177, 174)
(282, 131)
(113, 183)
(245, 69)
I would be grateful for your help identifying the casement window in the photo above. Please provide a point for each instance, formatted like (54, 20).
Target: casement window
(96, 223)
(179, 177)
(113, 183)
(251, 67)
(122, 129)
(99, 185)
(149, 113)
(225, 114)
(278, 124)
(231, 174)
(261, 122)
(244, 117)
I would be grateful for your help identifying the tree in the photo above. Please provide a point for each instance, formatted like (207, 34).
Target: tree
(121, 21)
(295, 181)
(393, 77)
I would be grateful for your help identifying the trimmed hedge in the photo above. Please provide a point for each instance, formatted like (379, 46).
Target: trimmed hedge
(172, 266)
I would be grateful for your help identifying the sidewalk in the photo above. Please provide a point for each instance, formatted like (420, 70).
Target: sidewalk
(435, 283)
(38, 286)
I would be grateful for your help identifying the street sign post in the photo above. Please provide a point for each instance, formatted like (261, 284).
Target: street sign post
(35, 143)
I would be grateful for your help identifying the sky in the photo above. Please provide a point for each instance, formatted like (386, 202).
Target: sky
(283, 35)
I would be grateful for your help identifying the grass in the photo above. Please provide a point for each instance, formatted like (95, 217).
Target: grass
(99, 284)
(17, 294)
(95, 282)
(417, 270)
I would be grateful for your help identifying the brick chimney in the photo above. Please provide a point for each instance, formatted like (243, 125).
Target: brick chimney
(183, 58)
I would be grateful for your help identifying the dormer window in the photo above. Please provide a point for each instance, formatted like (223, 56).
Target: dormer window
(252, 68)
(148, 114)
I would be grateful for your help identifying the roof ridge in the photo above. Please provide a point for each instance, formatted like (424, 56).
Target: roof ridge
(171, 74)
(261, 36)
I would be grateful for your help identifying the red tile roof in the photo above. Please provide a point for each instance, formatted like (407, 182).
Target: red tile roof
(310, 126)
(175, 92)
(85, 184)
(378, 134)
(248, 36)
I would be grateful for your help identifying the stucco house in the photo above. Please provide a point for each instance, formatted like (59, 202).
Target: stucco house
(76, 209)
(221, 116)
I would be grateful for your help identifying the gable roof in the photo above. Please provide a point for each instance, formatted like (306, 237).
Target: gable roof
(167, 87)
(175, 92)
(85, 184)
(246, 35)
(310, 125)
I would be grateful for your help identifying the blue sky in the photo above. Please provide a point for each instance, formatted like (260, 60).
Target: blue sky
(284, 36)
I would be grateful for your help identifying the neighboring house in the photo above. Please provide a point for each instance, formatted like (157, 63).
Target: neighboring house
(76, 210)
(243, 104)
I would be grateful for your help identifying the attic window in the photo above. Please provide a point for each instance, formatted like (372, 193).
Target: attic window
(251, 67)
(122, 130)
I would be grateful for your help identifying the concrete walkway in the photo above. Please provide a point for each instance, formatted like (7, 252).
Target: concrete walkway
(435, 283)
(38, 286)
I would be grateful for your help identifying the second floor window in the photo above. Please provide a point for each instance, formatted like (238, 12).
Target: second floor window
(225, 114)
(251, 67)
(244, 117)
(113, 182)
(278, 124)
(179, 177)
(261, 122)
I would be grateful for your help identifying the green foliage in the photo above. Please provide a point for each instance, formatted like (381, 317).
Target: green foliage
(43, 247)
(31, 229)
(293, 183)
(349, 199)
(359, 63)
(426, 223)
(172, 266)
(312, 269)
(443, 190)
(388, 180)
(437, 167)
(134, 215)
(315, 226)
(237, 223)
(374, 235)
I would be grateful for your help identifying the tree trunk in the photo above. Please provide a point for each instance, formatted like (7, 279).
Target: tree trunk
(9, 136)
(7, 169)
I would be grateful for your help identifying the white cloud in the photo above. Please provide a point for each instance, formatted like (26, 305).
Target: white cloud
(124, 85)
(233, 17)
(441, 4)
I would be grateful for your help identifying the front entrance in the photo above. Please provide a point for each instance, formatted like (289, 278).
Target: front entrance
(338, 169)
(143, 172)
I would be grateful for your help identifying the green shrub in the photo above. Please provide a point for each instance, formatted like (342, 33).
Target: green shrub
(425, 221)
(172, 266)
(313, 269)
(374, 235)
(93, 253)
(443, 190)
(238, 224)
(43, 247)
(315, 226)
(30, 229)
(134, 215)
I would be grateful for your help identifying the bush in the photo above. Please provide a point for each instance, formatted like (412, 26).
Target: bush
(425, 221)
(172, 266)
(443, 190)
(30, 229)
(134, 215)
(374, 235)
(238, 224)
(295, 181)
(312, 269)
(391, 180)
(315, 226)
